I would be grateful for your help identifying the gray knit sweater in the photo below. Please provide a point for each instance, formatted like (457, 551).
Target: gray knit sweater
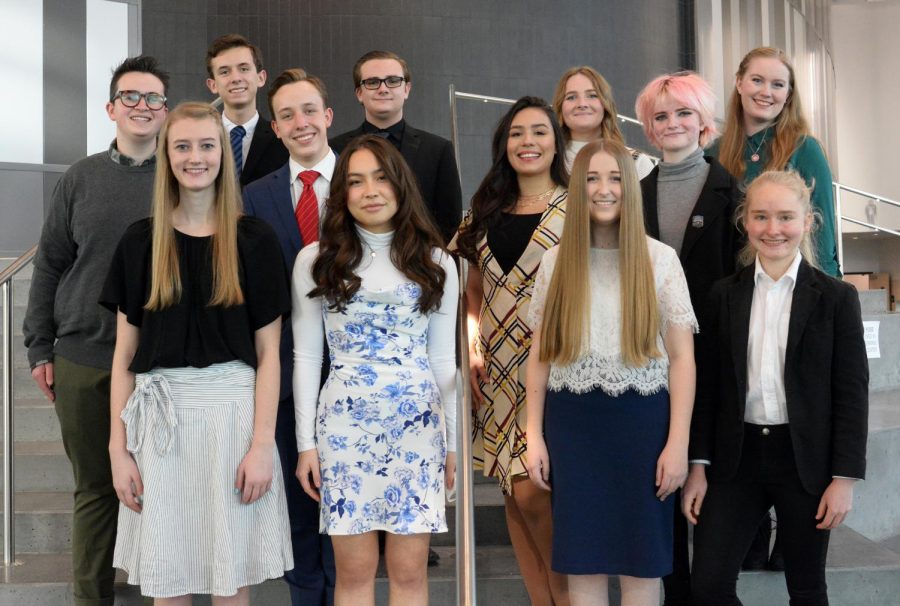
(677, 188)
(93, 203)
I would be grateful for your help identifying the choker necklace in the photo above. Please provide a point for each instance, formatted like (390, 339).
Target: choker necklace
(525, 201)
(754, 157)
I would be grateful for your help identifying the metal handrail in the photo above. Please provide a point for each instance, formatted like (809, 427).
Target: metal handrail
(465, 507)
(455, 94)
(839, 212)
(9, 489)
(865, 194)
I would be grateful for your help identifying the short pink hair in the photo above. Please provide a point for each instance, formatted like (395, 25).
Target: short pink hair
(686, 88)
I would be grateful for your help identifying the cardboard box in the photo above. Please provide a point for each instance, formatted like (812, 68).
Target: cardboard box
(860, 281)
(880, 280)
(874, 281)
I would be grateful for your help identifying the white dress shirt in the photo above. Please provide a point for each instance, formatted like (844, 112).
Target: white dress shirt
(322, 185)
(770, 315)
(249, 128)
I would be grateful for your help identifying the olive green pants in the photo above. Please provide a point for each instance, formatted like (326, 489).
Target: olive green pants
(82, 405)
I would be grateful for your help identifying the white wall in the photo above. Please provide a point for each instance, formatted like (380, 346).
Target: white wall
(866, 50)
(22, 57)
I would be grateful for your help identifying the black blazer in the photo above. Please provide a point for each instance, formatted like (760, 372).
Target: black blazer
(432, 160)
(711, 241)
(267, 153)
(826, 378)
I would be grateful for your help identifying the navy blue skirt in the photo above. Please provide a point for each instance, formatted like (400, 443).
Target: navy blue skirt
(603, 452)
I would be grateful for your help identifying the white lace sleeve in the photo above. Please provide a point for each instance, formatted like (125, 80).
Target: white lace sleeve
(309, 338)
(541, 284)
(675, 307)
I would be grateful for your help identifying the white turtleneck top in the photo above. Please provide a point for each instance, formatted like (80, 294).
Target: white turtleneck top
(377, 273)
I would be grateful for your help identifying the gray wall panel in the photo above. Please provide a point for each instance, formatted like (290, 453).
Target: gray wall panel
(65, 88)
(24, 200)
(505, 49)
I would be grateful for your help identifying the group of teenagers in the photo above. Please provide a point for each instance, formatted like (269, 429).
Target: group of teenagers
(273, 356)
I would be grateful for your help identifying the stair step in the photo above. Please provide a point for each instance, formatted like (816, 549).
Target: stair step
(42, 466)
(42, 579)
(860, 573)
(490, 518)
(36, 420)
(44, 522)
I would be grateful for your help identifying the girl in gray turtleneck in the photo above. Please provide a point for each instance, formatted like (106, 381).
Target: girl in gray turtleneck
(689, 203)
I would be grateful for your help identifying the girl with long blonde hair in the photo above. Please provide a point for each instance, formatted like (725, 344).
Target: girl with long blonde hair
(765, 129)
(610, 385)
(199, 292)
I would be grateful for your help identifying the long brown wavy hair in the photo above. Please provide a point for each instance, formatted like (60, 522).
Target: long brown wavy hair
(165, 277)
(499, 189)
(790, 125)
(415, 236)
(609, 126)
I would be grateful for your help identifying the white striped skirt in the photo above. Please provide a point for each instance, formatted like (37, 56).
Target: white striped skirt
(188, 430)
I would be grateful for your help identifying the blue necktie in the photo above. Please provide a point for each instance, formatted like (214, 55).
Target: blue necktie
(237, 148)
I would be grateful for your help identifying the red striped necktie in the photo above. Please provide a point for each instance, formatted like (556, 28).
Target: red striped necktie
(307, 211)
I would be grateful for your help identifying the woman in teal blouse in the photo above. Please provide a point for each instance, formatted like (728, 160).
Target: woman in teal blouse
(765, 130)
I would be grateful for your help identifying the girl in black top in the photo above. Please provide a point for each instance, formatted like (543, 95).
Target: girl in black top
(517, 214)
(199, 293)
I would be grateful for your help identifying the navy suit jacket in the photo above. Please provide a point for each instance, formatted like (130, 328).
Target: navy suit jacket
(826, 378)
(433, 163)
(267, 153)
(269, 199)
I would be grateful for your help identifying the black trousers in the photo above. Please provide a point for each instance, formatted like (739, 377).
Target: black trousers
(766, 477)
(677, 586)
(311, 581)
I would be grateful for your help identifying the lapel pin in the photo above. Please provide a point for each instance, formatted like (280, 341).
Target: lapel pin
(697, 221)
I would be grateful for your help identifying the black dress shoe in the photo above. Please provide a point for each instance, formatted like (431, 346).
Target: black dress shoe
(433, 558)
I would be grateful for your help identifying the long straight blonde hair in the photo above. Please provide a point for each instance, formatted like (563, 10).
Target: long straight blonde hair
(568, 307)
(165, 280)
(790, 125)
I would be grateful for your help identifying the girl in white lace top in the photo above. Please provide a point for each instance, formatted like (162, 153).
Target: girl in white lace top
(610, 384)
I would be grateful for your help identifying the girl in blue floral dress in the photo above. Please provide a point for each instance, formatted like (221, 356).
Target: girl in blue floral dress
(377, 444)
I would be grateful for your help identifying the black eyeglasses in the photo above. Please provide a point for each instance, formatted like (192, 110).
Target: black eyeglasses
(131, 98)
(390, 82)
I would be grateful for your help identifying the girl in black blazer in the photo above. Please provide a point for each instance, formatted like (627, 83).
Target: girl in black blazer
(689, 203)
(780, 416)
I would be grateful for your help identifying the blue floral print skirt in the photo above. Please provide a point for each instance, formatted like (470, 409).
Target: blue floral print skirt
(603, 452)
(380, 429)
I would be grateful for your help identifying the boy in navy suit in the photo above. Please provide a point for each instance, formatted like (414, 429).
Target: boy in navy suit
(236, 73)
(292, 200)
(383, 82)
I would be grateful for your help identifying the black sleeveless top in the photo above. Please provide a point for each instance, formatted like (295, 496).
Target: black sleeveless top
(509, 237)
